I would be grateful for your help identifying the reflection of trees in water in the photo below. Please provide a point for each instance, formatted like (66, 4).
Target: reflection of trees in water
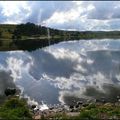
(62, 71)
(110, 93)
(97, 74)
(5, 82)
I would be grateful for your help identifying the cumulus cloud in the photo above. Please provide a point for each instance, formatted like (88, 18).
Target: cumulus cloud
(75, 15)
(88, 16)
(53, 65)
(104, 10)
(13, 11)
(43, 10)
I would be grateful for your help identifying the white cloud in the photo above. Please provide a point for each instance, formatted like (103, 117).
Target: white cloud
(14, 11)
(65, 67)
(76, 15)
(12, 8)
(14, 66)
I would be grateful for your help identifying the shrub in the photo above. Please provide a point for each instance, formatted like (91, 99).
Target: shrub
(15, 108)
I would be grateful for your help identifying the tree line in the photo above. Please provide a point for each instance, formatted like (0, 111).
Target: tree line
(27, 30)
(30, 29)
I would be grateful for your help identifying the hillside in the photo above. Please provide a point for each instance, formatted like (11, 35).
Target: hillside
(7, 30)
(30, 36)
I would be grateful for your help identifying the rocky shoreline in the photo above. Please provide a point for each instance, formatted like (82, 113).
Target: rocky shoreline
(70, 111)
(80, 109)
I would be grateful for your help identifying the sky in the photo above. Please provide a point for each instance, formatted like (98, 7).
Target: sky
(68, 15)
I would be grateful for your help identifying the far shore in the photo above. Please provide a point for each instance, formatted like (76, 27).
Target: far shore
(33, 44)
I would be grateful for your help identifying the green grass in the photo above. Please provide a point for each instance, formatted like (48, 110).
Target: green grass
(7, 30)
(105, 111)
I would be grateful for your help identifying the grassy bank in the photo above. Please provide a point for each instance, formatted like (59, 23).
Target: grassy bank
(15, 107)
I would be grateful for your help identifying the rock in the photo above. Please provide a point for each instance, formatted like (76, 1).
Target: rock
(51, 108)
(76, 106)
(37, 117)
(79, 102)
(117, 104)
(10, 91)
(85, 104)
(33, 106)
(108, 104)
(71, 110)
(71, 106)
(72, 114)
(101, 100)
(118, 97)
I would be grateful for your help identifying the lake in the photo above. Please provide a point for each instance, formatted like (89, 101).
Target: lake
(65, 72)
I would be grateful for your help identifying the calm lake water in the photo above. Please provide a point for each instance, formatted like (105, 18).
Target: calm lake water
(64, 72)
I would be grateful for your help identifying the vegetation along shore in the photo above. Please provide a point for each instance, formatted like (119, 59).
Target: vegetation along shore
(29, 36)
(16, 107)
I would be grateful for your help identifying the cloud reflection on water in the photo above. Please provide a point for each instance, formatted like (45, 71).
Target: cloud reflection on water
(68, 70)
